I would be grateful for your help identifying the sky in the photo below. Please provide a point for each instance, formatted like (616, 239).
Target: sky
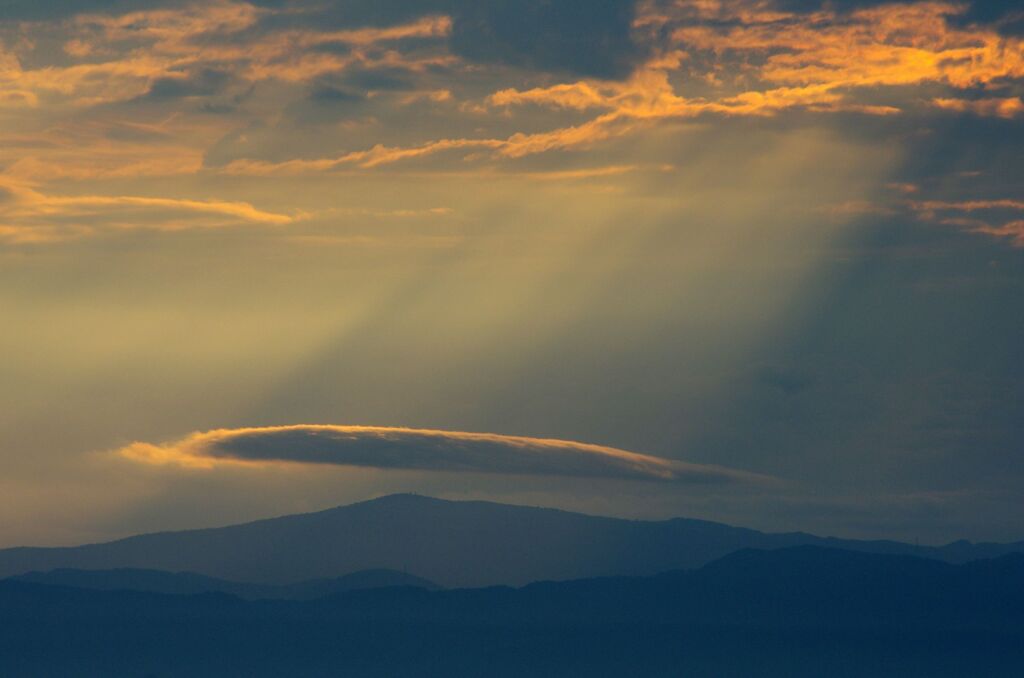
(755, 261)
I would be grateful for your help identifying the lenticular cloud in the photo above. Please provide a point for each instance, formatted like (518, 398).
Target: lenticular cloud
(421, 449)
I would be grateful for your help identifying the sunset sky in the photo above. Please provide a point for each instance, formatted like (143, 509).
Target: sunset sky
(756, 261)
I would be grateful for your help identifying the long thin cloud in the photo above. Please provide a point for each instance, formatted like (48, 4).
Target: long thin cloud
(423, 450)
(28, 216)
(959, 214)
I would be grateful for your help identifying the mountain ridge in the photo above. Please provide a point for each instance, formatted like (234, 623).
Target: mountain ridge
(803, 612)
(189, 583)
(452, 543)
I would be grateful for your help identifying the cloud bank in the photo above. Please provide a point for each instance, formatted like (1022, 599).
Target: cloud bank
(228, 92)
(422, 450)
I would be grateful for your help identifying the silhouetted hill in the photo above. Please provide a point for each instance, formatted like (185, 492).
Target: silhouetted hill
(451, 543)
(795, 612)
(797, 586)
(187, 583)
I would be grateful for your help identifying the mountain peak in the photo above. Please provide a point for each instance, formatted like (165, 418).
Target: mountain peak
(402, 498)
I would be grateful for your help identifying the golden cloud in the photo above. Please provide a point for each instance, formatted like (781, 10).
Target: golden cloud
(28, 216)
(171, 46)
(421, 449)
(1008, 107)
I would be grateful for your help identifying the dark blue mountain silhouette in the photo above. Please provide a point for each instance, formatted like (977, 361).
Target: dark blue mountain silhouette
(452, 543)
(795, 612)
(187, 583)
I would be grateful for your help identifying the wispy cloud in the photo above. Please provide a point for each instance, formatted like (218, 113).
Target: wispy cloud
(425, 450)
(999, 217)
(890, 44)
(169, 43)
(373, 157)
(999, 107)
(29, 216)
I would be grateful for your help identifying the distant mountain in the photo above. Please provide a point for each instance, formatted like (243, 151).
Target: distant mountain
(456, 544)
(802, 586)
(187, 583)
(796, 612)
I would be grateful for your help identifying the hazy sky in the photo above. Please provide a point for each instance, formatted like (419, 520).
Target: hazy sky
(762, 259)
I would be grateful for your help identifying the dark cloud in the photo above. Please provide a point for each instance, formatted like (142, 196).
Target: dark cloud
(204, 82)
(337, 48)
(33, 10)
(350, 87)
(1007, 16)
(584, 37)
(839, 6)
(326, 93)
(380, 79)
(329, 99)
(425, 450)
(337, 14)
(588, 37)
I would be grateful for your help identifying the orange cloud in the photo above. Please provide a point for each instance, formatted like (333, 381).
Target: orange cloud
(420, 449)
(374, 157)
(97, 146)
(1009, 107)
(28, 216)
(41, 234)
(577, 95)
(819, 60)
(748, 64)
(645, 99)
(892, 44)
(968, 205)
(648, 97)
(593, 172)
(111, 163)
(171, 45)
(1013, 229)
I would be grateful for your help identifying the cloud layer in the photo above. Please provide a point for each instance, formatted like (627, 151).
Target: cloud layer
(110, 91)
(422, 450)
